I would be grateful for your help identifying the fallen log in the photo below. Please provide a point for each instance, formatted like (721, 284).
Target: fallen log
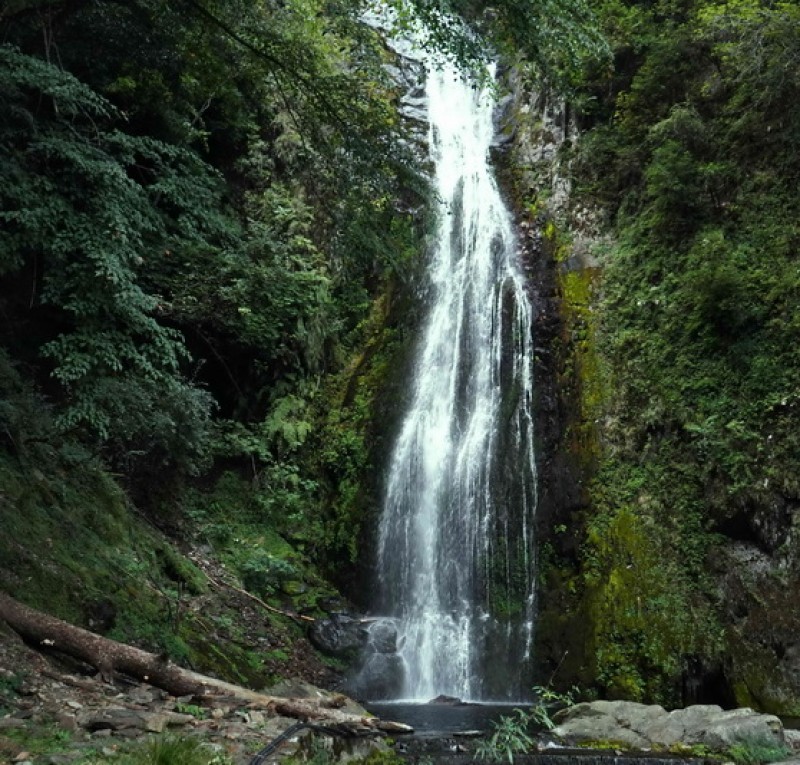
(109, 657)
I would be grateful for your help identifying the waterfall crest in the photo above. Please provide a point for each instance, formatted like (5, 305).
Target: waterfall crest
(455, 545)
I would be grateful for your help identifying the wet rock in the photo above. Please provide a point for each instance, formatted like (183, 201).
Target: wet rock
(450, 701)
(758, 595)
(382, 636)
(381, 674)
(339, 635)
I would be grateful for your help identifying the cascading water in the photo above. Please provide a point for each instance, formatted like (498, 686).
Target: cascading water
(455, 547)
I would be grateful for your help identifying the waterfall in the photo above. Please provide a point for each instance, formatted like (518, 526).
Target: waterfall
(455, 551)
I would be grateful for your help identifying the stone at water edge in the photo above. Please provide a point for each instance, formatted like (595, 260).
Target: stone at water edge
(448, 701)
(642, 726)
(338, 635)
(792, 738)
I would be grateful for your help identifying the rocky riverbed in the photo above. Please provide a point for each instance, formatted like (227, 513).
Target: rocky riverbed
(650, 727)
(56, 713)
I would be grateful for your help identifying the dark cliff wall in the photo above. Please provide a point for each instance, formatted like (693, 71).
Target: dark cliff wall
(530, 131)
(669, 513)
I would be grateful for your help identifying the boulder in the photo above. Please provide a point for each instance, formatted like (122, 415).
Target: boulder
(447, 701)
(644, 726)
(338, 635)
(598, 721)
(382, 636)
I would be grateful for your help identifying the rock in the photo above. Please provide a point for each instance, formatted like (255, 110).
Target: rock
(449, 701)
(339, 635)
(111, 718)
(792, 738)
(294, 688)
(178, 718)
(641, 726)
(67, 721)
(145, 695)
(11, 722)
(381, 673)
(117, 719)
(588, 723)
(382, 636)
(736, 725)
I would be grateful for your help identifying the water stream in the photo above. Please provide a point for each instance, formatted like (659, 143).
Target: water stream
(455, 546)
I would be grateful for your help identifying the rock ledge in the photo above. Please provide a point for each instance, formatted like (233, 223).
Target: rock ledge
(643, 726)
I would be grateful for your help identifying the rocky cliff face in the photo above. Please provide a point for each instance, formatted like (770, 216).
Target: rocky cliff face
(533, 129)
(641, 596)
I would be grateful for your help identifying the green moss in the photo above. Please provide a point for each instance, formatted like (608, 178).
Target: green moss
(604, 744)
(355, 412)
(583, 369)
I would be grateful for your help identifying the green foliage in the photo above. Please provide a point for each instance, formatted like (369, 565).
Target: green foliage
(40, 739)
(264, 573)
(167, 750)
(511, 734)
(84, 204)
(191, 709)
(694, 163)
(758, 750)
(126, 249)
(199, 207)
(509, 738)
(549, 701)
(555, 38)
(10, 685)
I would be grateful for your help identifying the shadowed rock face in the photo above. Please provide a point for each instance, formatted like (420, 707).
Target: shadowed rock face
(643, 726)
(338, 635)
(758, 589)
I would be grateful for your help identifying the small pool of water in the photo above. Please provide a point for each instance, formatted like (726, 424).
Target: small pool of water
(438, 719)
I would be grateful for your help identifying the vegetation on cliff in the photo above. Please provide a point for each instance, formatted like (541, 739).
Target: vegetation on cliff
(689, 149)
(199, 204)
(206, 244)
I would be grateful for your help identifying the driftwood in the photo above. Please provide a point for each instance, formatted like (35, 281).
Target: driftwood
(109, 656)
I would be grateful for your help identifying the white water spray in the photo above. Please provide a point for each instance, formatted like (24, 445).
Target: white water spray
(456, 548)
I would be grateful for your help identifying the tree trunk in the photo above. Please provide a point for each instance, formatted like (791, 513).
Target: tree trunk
(109, 656)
